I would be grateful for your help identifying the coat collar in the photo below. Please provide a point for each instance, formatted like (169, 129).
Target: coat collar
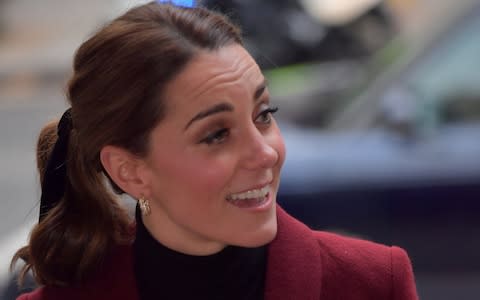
(294, 262)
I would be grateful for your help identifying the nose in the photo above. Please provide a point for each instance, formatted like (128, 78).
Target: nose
(259, 151)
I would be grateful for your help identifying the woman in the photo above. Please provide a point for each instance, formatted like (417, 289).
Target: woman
(169, 108)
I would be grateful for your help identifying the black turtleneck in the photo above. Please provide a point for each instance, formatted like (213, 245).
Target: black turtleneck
(162, 273)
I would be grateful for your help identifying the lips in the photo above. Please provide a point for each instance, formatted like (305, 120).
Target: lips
(259, 193)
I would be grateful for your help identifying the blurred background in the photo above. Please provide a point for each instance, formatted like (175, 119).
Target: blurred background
(379, 106)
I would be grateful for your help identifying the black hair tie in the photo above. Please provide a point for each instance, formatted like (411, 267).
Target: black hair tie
(54, 179)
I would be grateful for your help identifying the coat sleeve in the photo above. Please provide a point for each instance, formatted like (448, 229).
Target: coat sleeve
(403, 282)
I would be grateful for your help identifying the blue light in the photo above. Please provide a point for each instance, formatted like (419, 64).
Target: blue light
(185, 3)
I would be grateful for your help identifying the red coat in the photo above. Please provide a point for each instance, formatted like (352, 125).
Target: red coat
(302, 265)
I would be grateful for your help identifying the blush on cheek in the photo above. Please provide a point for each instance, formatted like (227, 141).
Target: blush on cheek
(210, 177)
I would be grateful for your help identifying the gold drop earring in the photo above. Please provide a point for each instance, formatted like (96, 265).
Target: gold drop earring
(144, 206)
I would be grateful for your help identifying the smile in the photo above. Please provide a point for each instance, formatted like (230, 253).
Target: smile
(250, 194)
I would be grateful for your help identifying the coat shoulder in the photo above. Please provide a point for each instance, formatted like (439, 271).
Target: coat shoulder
(366, 269)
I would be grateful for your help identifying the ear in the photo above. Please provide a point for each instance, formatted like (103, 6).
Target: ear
(125, 169)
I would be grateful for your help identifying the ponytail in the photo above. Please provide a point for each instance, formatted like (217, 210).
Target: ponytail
(73, 235)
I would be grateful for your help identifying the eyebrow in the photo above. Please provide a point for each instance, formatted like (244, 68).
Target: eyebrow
(260, 89)
(225, 107)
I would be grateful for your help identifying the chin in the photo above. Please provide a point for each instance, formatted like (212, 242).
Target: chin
(260, 237)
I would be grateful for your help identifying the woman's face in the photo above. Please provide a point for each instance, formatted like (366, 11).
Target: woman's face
(214, 161)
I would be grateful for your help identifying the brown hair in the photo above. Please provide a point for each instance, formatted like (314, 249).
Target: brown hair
(115, 94)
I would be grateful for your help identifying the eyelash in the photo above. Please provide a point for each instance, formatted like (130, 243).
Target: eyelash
(218, 136)
(268, 113)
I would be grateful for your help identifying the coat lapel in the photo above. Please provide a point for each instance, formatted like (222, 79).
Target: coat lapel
(294, 262)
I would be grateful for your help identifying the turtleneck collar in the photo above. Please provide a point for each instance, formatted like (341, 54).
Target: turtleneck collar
(163, 273)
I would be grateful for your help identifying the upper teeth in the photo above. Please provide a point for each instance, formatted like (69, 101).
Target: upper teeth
(251, 194)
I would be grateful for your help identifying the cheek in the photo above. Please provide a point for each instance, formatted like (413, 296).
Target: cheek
(215, 175)
(198, 175)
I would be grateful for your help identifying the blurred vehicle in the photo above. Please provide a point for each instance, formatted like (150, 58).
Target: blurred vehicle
(399, 161)
(285, 32)
(418, 122)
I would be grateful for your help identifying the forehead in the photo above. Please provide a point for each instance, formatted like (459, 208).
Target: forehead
(214, 74)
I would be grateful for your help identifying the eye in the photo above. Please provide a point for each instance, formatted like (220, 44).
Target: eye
(265, 117)
(216, 137)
